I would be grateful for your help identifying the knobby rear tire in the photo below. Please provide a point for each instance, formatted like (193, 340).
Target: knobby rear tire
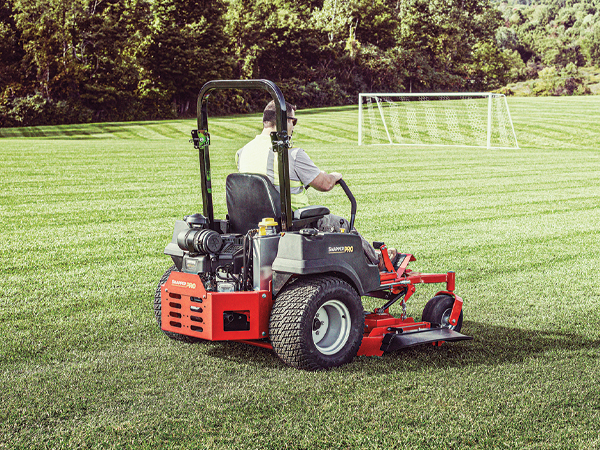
(310, 328)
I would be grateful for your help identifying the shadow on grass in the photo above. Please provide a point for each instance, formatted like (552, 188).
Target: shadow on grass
(491, 345)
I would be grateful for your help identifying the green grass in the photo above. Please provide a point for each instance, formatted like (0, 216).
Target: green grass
(87, 210)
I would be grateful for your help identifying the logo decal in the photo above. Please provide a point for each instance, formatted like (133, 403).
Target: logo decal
(183, 284)
(341, 249)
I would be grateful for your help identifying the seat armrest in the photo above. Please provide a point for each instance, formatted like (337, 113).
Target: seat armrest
(309, 212)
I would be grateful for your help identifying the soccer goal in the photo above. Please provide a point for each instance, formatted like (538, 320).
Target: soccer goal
(465, 119)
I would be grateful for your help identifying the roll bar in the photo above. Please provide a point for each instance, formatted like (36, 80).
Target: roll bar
(279, 139)
(348, 193)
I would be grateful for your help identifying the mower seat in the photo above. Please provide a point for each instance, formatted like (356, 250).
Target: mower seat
(251, 197)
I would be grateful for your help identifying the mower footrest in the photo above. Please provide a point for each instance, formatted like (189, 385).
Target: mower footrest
(395, 341)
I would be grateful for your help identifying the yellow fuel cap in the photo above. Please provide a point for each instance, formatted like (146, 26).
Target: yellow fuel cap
(267, 226)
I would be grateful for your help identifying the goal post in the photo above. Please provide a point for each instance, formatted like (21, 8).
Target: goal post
(466, 119)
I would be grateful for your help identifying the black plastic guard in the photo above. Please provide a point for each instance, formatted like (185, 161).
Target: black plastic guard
(307, 254)
(393, 341)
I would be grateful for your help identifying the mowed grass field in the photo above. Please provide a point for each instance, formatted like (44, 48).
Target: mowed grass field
(85, 214)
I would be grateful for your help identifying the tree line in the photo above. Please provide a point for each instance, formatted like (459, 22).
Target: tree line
(553, 39)
(114, 60)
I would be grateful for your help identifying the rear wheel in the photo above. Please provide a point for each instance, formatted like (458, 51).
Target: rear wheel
(317, 323)
(157, 308)
(438, 310)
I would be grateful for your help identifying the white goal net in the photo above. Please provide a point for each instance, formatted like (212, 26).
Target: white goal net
(451, 119)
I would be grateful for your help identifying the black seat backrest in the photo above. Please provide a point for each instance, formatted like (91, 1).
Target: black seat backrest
(250, 198)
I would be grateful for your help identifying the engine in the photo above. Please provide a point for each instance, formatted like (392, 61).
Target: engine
(217, 258)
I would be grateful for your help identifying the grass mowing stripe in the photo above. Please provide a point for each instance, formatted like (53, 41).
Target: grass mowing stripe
(87, 212)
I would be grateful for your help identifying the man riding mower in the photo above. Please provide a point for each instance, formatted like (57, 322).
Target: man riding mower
(267, 276)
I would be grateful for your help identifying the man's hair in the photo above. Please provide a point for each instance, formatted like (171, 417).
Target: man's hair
(270, 113)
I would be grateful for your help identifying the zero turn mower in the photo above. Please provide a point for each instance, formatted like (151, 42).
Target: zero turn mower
(267, 277)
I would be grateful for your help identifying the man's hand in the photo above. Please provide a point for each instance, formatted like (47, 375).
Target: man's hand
(326, 181)
(338, 176)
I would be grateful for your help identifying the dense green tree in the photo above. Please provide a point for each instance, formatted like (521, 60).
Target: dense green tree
(367, 21)
(79, 53)
(85, 60)
(105, 45)
(554, 32)
(489, 66)
(590, 43)
(186, 47)
(46, 27)
(441, 35)
(11, 55)
(273, 39)
(343, 44)
(11, 51)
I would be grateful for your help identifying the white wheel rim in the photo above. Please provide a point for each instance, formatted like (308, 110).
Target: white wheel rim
(331, 327)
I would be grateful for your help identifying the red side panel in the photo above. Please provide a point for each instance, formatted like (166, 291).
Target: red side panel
(188, 309)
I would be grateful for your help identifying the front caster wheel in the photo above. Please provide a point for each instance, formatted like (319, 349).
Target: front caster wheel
(438, 309)
(317, 323)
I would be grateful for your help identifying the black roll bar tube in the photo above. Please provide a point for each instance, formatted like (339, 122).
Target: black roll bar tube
(279, 139)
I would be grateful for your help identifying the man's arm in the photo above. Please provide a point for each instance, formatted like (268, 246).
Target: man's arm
(306, 169)
(325, 181)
